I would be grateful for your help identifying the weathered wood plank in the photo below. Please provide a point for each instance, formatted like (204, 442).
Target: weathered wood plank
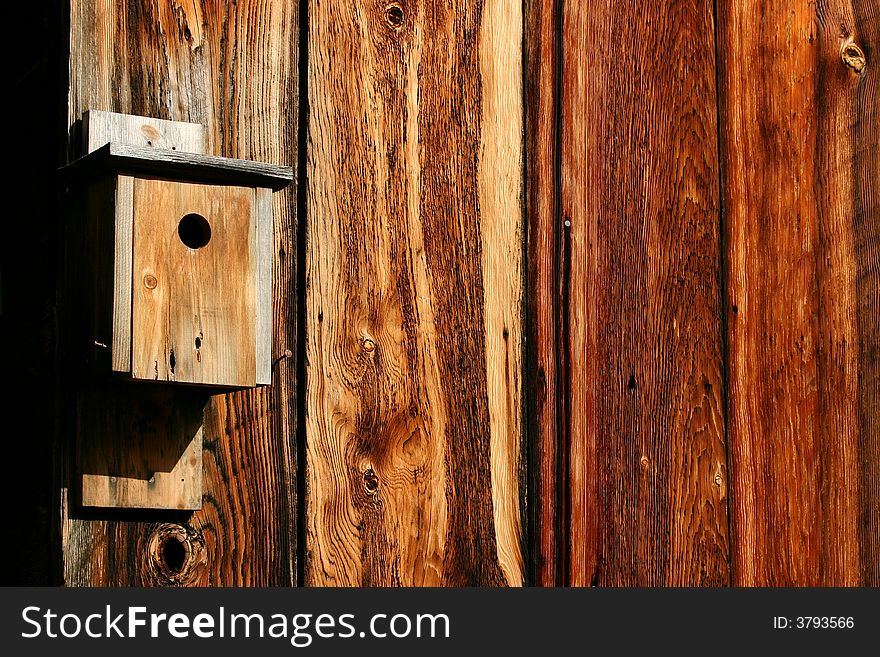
(233, 69)
(176, 165)
(262, 257)
(123, 238)
(149, 457)
(646, 464)
(100, 128)
(548, 521)
(799, 126)
(415, 287)
(194, 309)
(866, 206)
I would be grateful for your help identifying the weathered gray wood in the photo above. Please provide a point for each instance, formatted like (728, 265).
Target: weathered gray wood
(100, 128)
(262, 260)
(122, 275)
(175, 165)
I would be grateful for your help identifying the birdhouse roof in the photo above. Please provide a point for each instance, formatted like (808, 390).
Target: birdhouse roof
(179, 166)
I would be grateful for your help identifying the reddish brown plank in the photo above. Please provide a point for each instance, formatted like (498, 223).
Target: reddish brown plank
(866, 205)
(544, 397)
(646, 464)
(799, 135)
(234, 69)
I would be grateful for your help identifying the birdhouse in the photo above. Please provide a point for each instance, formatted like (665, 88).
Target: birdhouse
(175, 261)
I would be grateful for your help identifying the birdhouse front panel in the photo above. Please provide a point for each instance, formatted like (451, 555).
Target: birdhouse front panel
(194, 283)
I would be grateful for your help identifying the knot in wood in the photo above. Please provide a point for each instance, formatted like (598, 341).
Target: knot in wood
(150, 282)
(854, 57)
(369, 345)
(371, 481)
(394, 15)
(173, 553)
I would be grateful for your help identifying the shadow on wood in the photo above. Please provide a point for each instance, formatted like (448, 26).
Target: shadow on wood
(139, 446)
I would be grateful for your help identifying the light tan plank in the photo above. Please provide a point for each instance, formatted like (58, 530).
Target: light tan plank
(193, 309)
(413, 307)
(157, 467)
(100, 128)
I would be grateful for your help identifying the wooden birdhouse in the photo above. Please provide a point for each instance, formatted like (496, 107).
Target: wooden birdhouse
(176, 252)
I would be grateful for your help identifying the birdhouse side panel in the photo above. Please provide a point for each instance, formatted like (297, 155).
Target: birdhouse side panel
(194, 287)
(89, 276)
(263, 260)
(120, 321)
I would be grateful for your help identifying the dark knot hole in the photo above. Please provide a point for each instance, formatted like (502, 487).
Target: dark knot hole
(394, 14)
(173, 554)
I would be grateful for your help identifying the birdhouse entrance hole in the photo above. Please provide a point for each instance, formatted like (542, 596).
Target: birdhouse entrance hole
(194, 231)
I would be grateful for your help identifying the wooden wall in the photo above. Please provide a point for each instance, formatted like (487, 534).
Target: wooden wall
(802, 246)
(414, 469)
(233, 69)
(643, 344)
(705, 292)
(571, 293)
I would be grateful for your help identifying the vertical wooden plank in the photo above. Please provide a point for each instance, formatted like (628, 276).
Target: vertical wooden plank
(263, 256)
(866, 201)
(415, 288)
(548, 518)
(233, 69)
(640, 250)
(799, 126)
(194, 309)
(123, 238)
(501, 241)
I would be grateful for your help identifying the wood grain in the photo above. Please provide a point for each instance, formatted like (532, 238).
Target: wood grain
(119, 338)
(194, 310)
(546, 399)
(176, 165)
(262, 258)
(866, 206)
(233, 69)
(799, 126)
(646, 480)
(415, 274)
(100, 128)
(149, 457)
